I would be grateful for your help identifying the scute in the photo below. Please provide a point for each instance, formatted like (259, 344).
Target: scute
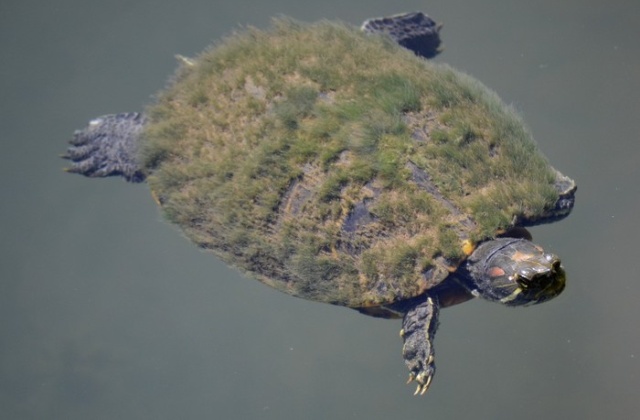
(336, 166)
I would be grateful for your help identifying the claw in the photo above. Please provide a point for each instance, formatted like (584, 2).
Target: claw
(426, 385)
(423, 384)
(418, 328)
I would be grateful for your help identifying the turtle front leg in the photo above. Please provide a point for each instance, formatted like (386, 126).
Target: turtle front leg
(418, 329)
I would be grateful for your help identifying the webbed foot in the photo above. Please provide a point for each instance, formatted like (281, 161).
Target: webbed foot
(415, 31)
(108, 146)
(418, 329)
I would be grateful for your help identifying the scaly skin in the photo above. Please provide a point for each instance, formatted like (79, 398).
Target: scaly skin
(108, 146)
(419, 327)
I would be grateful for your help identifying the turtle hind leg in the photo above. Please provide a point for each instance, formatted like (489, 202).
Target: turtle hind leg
(415, 31)
(418, 330)
(108, 146)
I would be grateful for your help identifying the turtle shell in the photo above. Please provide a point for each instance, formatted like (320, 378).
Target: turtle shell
(337, 166)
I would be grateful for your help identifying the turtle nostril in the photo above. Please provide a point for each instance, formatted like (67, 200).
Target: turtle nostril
(554, 261)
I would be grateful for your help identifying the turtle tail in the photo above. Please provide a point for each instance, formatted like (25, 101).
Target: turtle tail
(108, 146)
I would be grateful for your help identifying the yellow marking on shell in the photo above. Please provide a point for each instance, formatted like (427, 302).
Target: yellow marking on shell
(468, 247)
(512, 296)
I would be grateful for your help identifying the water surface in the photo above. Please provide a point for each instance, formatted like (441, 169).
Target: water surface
(108, 312)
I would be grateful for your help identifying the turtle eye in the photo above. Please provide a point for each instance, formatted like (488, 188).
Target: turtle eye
(525, 277)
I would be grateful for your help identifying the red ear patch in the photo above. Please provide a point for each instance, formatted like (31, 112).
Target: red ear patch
(496, 272)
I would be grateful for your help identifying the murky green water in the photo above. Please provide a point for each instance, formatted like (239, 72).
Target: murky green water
(106, 312)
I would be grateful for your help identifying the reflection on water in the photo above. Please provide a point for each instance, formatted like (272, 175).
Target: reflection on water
(107, 313)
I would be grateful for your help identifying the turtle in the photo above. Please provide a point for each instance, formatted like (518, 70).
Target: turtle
(342, 165)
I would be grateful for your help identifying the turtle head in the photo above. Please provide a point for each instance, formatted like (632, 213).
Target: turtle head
(515, 272)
